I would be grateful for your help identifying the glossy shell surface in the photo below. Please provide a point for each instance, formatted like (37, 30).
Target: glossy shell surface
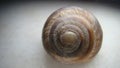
(72, 35)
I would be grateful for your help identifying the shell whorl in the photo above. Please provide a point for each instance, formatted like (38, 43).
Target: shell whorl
(72, 35)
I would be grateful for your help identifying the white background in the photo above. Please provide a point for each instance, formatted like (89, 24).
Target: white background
(21, 28)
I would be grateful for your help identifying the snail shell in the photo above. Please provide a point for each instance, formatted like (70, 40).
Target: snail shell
(72, 35)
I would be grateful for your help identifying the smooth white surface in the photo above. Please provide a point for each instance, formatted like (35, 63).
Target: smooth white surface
(21, 28)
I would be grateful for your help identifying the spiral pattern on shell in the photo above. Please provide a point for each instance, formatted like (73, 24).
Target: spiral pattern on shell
(72, 35)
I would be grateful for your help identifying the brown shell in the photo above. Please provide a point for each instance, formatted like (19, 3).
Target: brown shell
(72, 35)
